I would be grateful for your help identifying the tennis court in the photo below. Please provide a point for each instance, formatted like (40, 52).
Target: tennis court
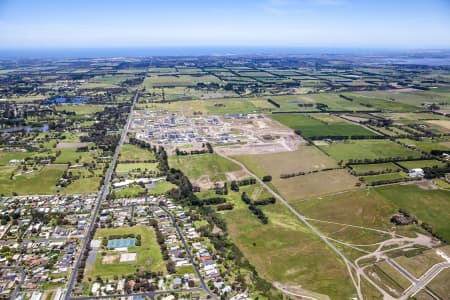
(119, 243)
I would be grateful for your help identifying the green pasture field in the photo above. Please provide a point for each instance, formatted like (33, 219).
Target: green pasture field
(6, 156)
(362, 169)
(83, 185)
(130, 152)
(284, 250)
(132, 190)
(178, 80)
(42, 181)
(195, 166)
(368, 149)
(310, 126)
(416, 98)
(128, 167)
(161, 188)
(388, 176)
(421, 164)
(81, 109)
(149, 250)
(381, 104)
(70, 155)
(428, 145)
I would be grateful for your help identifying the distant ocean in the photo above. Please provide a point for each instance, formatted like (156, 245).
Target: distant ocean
(387, 56)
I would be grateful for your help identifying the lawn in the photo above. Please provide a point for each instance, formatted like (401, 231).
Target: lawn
(314, 127)
(128, 167)
(368, 149)
(133, 153)
(305, 158)
(161, 187)
(285, 250)
(149, 250)
(195, 166)
(42, 181)
(132, 190)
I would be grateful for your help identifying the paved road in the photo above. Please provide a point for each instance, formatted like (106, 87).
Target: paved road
(180, 233)
(349, 264)
(422, 282)
(22, 279)
(103, 193)
(148, 294)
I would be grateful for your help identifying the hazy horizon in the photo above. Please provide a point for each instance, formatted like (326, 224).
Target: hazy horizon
(313, 24)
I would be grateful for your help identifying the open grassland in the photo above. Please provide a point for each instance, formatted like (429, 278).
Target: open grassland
(421, 164)
(129, 152)
(286, 251)
(41, 181)
(322, 126)
(161, 187)
(430, 206)
(304, 159)
(195, 166)
(419, 264)
(149, 255)
(416, 97)
(429, 144)
(81, 109)
(7, 156)
(178, 80)
(70, 155)
(381, 104)
(314, 184)
(368, 149)
(382, 167)
(82, 186)
(382, 177)
(132, 190)
(332, 100)
(128, 167)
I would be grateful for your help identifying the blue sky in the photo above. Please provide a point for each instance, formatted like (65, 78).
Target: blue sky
(423, 24)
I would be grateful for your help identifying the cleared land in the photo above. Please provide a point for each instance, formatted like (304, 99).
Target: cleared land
(128, 167)
(133, 153)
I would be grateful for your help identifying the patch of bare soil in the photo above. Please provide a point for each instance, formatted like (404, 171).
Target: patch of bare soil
(237, 175)
(109, 259)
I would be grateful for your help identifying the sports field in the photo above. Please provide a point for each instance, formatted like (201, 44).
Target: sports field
(149, 255)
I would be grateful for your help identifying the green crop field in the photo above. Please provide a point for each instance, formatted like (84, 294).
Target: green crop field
(129, 152)
(195, 166)
(310, 126)
(368, 149)
(42, 181)
(149, 255)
